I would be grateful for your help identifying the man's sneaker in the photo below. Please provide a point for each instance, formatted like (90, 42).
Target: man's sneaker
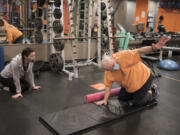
(115, 106)
(155, 91)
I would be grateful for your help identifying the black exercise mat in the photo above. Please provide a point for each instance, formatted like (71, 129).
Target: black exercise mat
(81, 118)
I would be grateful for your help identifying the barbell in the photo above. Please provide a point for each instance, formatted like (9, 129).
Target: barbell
(74, 38)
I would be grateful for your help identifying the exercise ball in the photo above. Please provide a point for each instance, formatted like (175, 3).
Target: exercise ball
(168, 65)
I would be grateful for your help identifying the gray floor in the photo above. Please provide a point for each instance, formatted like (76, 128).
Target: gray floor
(20, 117)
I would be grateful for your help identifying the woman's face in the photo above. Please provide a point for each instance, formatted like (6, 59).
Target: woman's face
(32, 56)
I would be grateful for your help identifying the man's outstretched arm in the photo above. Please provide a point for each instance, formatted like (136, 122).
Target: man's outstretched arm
(154, 47)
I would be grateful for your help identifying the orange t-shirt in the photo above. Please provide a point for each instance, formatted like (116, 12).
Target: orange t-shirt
(12, 33)
(132, 75)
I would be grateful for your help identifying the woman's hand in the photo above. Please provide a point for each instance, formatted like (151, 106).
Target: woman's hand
(16, 96)
(101, 103)
(36, 87)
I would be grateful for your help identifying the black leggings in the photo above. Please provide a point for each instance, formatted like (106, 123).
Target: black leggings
(19, 40)
(9, 82)
(140, 97)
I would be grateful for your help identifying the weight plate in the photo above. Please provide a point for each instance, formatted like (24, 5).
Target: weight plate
(57, 13)
(57, 26)
(59, 44)
(56, 62)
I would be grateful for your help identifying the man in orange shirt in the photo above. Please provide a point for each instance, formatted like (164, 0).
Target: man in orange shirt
(13, 35)
(126, 68)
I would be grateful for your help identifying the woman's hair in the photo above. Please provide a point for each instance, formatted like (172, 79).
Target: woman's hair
(26, 52)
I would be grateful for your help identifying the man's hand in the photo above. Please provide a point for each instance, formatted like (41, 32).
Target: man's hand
(161, 43)
(106, 96)
(101, 103)
(36, 87)
(16, 96)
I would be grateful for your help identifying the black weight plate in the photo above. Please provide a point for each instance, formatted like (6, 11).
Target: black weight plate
(57, 13)
(103, 6)
(57, 26)
(57, 3)
(103, 16)
(56, 62)
(59, 44)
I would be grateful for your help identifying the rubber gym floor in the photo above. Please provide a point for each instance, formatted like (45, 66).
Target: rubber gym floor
(21, 116)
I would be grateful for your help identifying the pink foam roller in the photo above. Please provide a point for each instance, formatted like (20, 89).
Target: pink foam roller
(100, 95)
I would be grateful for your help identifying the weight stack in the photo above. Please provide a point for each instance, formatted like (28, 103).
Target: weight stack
(104, 28)
(39, 22)
(55, 25)
(58, 28)
(1, 58)
(55, 31)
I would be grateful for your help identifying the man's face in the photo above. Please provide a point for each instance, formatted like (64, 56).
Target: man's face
(109, 65)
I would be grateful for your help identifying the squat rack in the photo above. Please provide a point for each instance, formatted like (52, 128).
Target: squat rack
(72, 37)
